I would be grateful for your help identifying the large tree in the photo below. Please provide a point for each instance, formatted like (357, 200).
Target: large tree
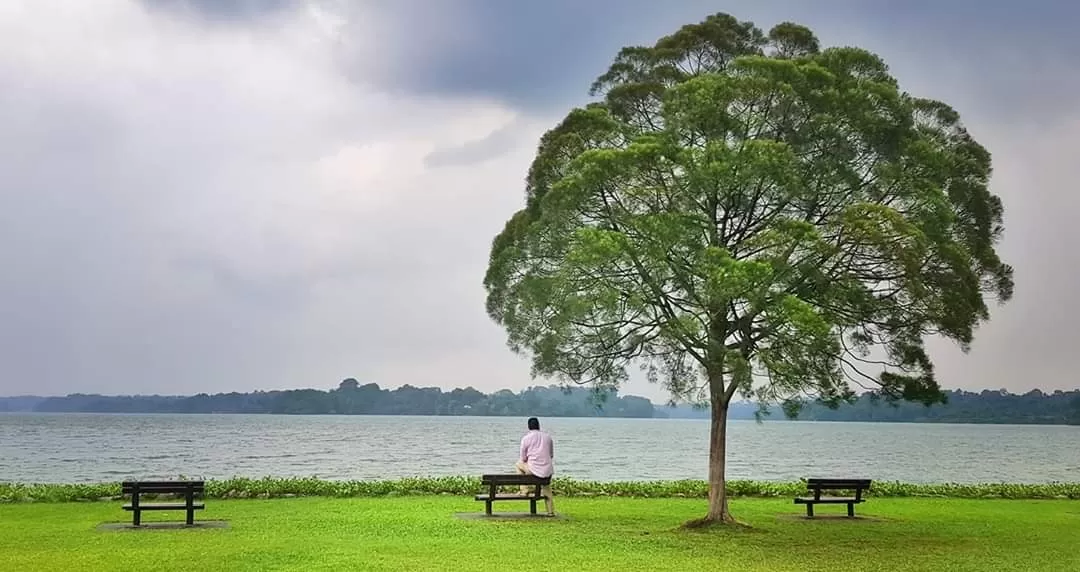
(746, 214)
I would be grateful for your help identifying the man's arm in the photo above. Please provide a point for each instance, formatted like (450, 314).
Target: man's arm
(524, 451)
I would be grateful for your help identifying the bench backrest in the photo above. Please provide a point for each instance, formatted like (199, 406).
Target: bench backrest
(514, 480)
(836, 484)
(163, 487)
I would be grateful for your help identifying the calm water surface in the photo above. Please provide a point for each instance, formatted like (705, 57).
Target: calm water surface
(98, 447)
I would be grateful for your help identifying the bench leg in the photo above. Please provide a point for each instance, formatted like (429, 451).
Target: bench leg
(532, 505)
(851, 509)
(136, 517)
(548, 502)
(809, 510)
(189, 499)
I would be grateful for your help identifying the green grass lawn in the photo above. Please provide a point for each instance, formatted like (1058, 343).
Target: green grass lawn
(611, 534)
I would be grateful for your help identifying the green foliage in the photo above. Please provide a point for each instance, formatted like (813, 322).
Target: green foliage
(1033, 407)
(274, 487)
(993, 407)
(351, 398)
(747, 213)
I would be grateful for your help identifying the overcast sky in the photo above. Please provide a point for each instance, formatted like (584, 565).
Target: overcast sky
(218, 195)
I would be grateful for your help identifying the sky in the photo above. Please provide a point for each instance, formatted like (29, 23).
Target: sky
(230, 195)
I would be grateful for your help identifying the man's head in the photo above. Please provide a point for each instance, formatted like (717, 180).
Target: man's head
(534, 424)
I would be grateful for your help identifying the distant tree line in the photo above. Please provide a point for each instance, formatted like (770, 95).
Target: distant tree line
(1032, 408)
(988, 406)
(353, 398)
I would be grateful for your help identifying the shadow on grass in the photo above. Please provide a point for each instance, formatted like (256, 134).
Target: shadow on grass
(202, 524)
(832, 518)
(508, 516)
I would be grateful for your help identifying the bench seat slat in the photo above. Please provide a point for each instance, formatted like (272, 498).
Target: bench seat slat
(852, 483)
(163, 483)
(164, 492)
(165, 506)
(163, 487)
(828, 500)
(514, 480)
(508, 496)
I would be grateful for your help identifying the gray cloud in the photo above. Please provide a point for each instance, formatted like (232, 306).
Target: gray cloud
(309, 192)
(498, 143)
(225, 10)
(208, 208)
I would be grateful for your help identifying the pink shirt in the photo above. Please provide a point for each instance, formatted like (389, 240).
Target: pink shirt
(537, 451)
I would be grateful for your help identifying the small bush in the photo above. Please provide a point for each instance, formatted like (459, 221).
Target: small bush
(275, 487)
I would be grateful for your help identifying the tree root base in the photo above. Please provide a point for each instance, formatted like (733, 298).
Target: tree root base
(727, 522)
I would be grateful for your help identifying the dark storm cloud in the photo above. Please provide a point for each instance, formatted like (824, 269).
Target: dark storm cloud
(539, 54)
(545, 54)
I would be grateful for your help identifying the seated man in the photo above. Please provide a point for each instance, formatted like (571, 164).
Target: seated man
(537, 454)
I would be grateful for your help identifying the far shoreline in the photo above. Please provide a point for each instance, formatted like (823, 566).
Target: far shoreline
(764, 420)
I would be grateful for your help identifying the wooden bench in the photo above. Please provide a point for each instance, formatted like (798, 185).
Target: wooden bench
(817, 486)
(493, 482)
(189, 490)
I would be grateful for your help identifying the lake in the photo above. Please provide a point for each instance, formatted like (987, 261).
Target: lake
(102, 447)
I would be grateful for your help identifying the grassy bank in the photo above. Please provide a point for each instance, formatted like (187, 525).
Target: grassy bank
(271, 487)
(422, 533)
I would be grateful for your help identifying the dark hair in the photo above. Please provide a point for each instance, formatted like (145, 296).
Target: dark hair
(534, 424)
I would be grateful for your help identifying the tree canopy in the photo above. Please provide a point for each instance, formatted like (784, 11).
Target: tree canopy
(747, 214)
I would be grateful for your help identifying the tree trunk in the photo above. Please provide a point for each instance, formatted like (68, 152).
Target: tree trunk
(718, 506)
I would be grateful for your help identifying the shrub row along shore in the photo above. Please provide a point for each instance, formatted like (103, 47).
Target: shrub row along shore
(271, 487)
